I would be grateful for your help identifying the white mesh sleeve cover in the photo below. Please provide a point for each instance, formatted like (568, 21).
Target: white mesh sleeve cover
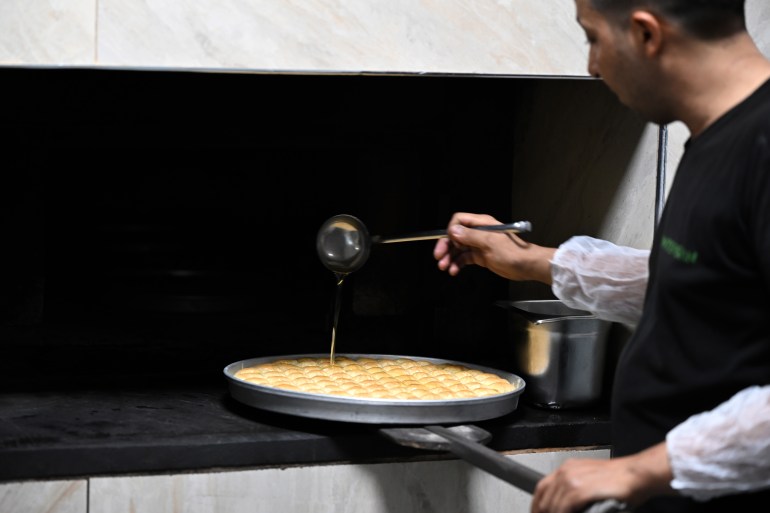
(725, 450)
(601, 277)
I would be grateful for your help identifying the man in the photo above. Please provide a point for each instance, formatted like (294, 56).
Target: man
(691, 397)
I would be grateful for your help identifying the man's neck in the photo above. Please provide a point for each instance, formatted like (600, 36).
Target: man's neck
(714, 78)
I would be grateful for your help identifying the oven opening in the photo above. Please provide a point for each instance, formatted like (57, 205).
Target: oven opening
(159, 217)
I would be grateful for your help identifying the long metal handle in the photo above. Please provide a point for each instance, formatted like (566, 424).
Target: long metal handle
(517, 227)
(518, 475)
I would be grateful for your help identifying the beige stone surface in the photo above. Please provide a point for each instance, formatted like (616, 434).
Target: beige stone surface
(508, 37)
(401, 36)
(418, 487)
(47, 32)
(44, 497)
(456, 36)
(583, 165)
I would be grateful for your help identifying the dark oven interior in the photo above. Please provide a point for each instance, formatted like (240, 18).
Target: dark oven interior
(162, 224)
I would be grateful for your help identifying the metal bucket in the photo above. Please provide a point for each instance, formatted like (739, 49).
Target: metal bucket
(560, 352)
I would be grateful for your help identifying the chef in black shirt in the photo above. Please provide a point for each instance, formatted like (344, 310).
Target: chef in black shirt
(691, 397)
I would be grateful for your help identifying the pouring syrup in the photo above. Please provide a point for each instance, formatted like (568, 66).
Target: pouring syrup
(337, 306)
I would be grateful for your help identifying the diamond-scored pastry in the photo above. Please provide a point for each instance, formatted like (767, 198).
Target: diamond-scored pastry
(377, 378)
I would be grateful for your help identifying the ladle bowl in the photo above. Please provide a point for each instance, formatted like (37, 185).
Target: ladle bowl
(343, 242)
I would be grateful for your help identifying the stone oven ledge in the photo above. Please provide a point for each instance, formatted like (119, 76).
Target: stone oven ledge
(132, 430)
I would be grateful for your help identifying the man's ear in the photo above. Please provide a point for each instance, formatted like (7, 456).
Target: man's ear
(647, 32)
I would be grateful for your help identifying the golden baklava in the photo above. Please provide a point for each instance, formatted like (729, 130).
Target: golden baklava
(377, 378)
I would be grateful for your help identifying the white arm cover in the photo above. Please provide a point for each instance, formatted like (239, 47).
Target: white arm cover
(725, 450)
(598, 276)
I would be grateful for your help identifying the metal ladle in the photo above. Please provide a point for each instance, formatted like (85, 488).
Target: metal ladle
(343, 242)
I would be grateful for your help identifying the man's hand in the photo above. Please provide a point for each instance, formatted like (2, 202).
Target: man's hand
(504, 254)
(580, 482)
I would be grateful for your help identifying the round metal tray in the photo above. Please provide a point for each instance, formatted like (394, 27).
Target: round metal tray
(372, 411)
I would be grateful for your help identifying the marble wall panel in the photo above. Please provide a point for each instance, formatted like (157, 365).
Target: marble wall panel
(758, 21)
(44, 497)
(454, 36)
(418, 487)
(584, 165)
(47, 32)
(511, 37)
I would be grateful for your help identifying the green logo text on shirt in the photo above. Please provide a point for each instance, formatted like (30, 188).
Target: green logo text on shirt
(678, 251)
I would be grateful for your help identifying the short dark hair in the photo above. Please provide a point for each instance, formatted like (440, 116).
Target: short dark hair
(705, 19)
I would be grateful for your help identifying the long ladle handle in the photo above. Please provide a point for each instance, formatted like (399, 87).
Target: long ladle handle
(512, 472)
(517, 227)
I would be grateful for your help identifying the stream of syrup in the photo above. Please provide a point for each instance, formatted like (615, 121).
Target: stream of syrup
(337, 306)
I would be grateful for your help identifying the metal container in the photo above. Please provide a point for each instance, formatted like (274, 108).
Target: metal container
(559, 352)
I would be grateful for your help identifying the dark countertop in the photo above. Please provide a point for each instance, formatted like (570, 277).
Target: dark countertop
(91, 400)
(85, 432)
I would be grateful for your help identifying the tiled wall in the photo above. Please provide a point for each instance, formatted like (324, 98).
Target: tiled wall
(503, 37)
(447, 486)
(516, 37)
(577, 154)
(44, 496)
(417, 487)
